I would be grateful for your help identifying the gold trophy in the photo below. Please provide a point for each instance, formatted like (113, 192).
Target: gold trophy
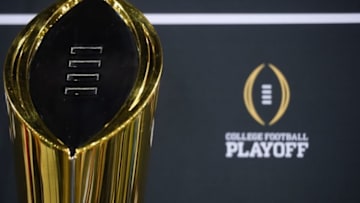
(81, 83)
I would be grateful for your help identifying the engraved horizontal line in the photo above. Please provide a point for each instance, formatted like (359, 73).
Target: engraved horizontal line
(223, 18)
(81, 91)
(76, 49)
(84, 63)
(80, 77)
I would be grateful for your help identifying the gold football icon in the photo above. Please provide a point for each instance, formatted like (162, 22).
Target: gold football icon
(248, 94)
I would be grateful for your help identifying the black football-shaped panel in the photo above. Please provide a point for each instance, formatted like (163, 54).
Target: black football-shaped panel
(83, 71)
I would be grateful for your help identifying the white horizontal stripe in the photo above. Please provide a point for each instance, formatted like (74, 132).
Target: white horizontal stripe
(252, 19)
(223, 18)
(15, 19)
(266, 97)
(266, 86)
(266, 102)
(266, 91)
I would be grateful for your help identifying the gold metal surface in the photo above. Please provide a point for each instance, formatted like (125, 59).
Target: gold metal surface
(111, 166)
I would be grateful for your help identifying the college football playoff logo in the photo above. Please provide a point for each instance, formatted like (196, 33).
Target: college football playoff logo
(266, 94)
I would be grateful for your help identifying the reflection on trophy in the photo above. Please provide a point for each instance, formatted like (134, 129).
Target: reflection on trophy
(81, 83)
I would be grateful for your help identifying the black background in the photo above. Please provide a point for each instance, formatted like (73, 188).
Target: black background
(205, 68)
